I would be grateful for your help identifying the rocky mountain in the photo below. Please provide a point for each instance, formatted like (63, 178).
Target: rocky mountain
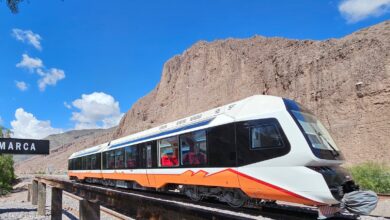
(345, 82)
(61, 147)
(58, 140)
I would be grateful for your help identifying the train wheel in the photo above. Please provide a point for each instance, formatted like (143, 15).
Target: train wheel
(193, 193)
(105, 182)
(236, 198)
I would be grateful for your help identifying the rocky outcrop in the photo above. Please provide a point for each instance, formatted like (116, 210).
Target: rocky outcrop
(346, 82)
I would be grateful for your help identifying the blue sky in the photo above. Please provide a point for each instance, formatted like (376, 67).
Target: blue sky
(87, 62)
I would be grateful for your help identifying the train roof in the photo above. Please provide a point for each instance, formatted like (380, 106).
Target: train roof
(89, 151)
(250, 108)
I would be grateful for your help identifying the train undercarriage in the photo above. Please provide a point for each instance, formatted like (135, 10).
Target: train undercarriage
(234, 197)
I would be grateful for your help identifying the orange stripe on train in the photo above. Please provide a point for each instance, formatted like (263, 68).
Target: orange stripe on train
(230, 178)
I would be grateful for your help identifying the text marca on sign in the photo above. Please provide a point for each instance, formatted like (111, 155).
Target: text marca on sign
(24, 146)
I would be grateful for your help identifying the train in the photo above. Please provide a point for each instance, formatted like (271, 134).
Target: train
(261, 148)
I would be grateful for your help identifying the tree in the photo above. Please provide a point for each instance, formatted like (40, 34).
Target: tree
(13, 5)
(5, 132)
(7, 175)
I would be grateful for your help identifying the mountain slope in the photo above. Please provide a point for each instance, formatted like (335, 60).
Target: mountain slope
(346, 82)
(61, 147)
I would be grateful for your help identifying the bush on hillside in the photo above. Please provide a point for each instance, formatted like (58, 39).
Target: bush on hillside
(7, 175)
(372, 176)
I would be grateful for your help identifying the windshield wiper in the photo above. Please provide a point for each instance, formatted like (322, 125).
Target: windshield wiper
(335, 153)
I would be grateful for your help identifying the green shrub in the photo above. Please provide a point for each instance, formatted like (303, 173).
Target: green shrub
(372, 176)
(7, 175)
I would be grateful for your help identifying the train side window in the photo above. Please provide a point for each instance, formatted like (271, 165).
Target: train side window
(265, 136)
(105, 160)
(149, 161)
(87, 163)
(93, 162)
(98, 161)
(131, 153)
(119, 159)
(169, 152)
(83, 163)
(111, 159)
(193, 148)
(78, 163)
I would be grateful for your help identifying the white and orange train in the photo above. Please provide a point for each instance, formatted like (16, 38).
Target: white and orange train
(259, 148)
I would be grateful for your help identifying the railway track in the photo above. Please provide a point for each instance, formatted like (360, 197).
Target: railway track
(264, 211)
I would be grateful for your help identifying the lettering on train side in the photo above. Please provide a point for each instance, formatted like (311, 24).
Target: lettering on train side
(163, 127)
(183, 121)
(196, 117)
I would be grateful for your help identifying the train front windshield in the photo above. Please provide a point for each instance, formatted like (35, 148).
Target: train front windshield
(320, 141)
(315, 131)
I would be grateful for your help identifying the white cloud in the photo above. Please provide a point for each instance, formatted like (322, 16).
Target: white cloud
(67, 105)
(97, 110)
(27, 36)
(22, 86)
(50, 77)
(26, 125)
(357, 10)
(1, 120)
(30, 63)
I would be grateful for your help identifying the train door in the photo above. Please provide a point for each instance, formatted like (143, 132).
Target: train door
(147, 161)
